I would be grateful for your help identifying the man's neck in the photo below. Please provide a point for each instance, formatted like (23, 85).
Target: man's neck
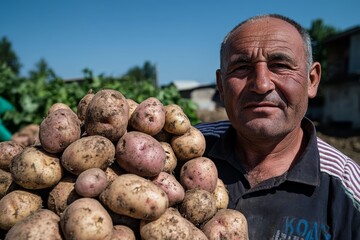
(264, 159)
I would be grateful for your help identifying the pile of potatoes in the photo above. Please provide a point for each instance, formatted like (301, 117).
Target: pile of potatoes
(114, 169)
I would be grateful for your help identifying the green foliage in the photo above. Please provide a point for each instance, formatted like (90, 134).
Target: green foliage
(8, 56)
(33, 96)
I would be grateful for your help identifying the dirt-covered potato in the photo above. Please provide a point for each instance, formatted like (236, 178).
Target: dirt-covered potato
(132, 106)
(140, 153)
(91, 182)
(189, 145)
(88, 152)
(170, 225)
(226, 224)
(176, 121)
(35, 168)
(121, 232)
(6, 183)
(221, 195)
(200, 173)
(58, 130)
(41, 225)
(171, 186)
(107, 115)
(27, 136)
(148, 117)
(171, 160)
(8, 150)
(62, 195)
(198, 206)
(17, 205)
(136, 197)
(83, 104)
(85, 219)
(57, 106)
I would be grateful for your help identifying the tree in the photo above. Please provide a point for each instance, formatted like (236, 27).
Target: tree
(319, 32)
(8, 56)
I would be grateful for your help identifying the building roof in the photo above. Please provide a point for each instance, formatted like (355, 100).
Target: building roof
(344, 34)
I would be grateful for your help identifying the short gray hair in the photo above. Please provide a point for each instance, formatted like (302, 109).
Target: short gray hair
(302, 31)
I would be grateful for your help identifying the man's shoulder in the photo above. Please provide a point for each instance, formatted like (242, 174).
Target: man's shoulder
(338, 165)
(214, 129)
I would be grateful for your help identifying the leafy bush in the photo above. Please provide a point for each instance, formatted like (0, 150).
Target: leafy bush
(33, 96)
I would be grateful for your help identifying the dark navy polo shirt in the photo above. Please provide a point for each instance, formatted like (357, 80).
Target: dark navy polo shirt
(317, 198)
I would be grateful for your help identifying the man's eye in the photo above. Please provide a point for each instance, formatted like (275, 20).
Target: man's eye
(279, 66)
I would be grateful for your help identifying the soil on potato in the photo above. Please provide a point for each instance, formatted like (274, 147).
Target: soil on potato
(344, 139)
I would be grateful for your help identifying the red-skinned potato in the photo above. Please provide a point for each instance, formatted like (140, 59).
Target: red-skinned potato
(171, 186)
(57, 106)
(148, 117)
(200, 173)
(140, 153)
(91, 182)
(189, 145)
(58, 130)
(107, 115)
(226, 224)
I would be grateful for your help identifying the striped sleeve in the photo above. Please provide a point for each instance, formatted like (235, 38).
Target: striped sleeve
(215, 129)
(338, 165)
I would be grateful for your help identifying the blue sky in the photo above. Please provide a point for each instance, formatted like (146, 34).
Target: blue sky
(181, 37)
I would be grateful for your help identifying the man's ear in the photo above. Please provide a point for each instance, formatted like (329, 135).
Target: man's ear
(314, 79)
(219, 84)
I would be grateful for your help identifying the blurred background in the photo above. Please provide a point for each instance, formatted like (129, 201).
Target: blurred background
(56, 51)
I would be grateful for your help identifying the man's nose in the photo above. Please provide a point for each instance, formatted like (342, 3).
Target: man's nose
(261, 82)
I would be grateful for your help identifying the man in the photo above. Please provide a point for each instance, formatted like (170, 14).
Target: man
(288, 183)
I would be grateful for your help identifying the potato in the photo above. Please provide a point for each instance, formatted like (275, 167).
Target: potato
(6, 183)
(135, 196)
(121, 232)
(58, 130)
(57, 106)
(17, 205)
(198, 206)
(107, 115)
(35, 168)
(140, 153)
(170, 225)
(200, 173)
(91, 182)
(170, 160)
(148, 117)
(189, 145)
(176, 121)
(8, 150)
(221, 195)
(83, 104)
(132, 106)
(88, 152)
(163, 136)
(62, 195)
(27, 136)
(41, 225)
(171, 186)
(85, 219)
(226, 224)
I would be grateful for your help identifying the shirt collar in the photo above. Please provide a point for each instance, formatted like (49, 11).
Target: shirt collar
(306, 170)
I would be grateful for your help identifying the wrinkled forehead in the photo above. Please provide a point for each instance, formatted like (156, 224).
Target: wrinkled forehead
(265, 32)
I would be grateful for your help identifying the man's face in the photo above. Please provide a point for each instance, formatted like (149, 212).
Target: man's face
(264, 82)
